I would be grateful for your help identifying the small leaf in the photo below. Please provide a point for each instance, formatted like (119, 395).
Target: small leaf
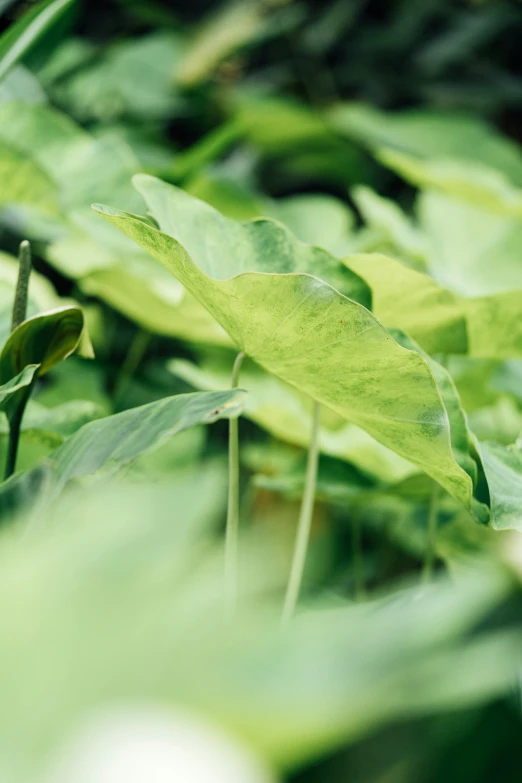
(43, 340)
(21, 381)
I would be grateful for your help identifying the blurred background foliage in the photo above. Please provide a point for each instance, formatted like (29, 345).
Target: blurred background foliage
(364, 126)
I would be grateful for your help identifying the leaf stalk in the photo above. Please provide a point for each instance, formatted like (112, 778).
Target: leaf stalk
(232, 526)
(305, 521)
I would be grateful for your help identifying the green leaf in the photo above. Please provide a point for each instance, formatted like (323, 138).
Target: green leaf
(386, 217)
(426, 134)
(43, 340)
(14, 385)
(110, 443)
(503, 469)
(21, 36)
(439, 320)
(475, 183)
(462, 239)
(406, 299)
(298, 327)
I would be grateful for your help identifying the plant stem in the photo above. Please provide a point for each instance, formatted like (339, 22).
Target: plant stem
(433, 513)
(15, 412)
(357, 554)
(15, 423)
(22, 285)
(232, 529)
(305, 521)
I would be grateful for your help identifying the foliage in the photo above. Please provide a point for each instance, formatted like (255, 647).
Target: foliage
(306, 232)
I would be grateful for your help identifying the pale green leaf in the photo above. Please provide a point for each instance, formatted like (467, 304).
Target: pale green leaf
(471, 251)
(298, 327)
(406, 299)
(473, 182)
(429, 134)
(386, 217)
(439, 320)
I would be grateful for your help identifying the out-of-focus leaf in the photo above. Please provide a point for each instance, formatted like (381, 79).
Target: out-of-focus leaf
(503, 469)
(486, 188)
(150, 307)
(470, 250)
(427, 134)
(233, 26)
(21, 36)
(133, 79)
(386, 217)
(409, 300)
(21, 84)
(137, 554)
(302, 331)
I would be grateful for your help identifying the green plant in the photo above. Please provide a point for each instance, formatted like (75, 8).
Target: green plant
(320, 292)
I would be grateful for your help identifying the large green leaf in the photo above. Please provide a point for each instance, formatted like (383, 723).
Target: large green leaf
(299, 327)
(21, 36)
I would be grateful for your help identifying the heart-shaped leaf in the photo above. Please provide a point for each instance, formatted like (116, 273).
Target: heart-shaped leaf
(298, 327)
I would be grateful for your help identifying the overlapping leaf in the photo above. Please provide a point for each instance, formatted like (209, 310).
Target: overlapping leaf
(440, 320)
(299, 327)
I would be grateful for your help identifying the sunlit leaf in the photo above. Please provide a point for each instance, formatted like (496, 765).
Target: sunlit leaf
(307, 333)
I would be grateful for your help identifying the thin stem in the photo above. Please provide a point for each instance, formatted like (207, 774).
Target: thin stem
(305, 521)
(15, 410)
(22, 285)
(429, 555)
(358, 560)
(232, 529)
